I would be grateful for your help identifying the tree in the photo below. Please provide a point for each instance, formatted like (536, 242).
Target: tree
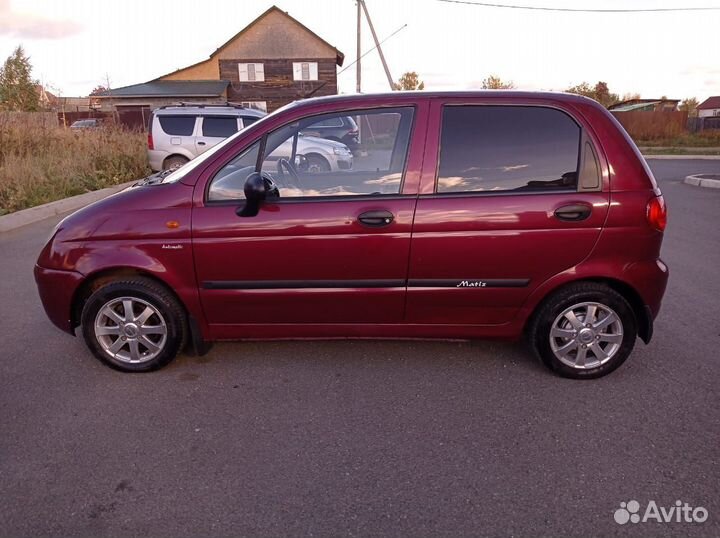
(600, 92)
(99, 89)
(494, 82)
(17, 87)
(689, 105)
(409, 81)
(629, 96)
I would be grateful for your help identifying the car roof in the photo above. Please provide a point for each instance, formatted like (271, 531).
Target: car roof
(208, 110)
(412, 96)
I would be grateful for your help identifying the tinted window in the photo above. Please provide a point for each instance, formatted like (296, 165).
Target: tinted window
(222, 127)
(308, 166)
(248, 120)
(177, 125)
(507, 148)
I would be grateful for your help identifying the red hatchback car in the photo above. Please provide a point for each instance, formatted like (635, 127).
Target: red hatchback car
(464, 215)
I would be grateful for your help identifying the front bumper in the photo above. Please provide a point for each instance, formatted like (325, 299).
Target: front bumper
(57, 289)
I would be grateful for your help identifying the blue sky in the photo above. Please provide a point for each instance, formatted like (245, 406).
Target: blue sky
(74, 43)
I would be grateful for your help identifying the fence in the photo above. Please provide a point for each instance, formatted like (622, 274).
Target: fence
(703, 124)
(651, 125)
(45, 120)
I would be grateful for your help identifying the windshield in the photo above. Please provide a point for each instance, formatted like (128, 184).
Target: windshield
(184, 170)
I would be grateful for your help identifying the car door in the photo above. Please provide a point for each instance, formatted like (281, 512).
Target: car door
(214, 129)
(518, 194)
(331, 249)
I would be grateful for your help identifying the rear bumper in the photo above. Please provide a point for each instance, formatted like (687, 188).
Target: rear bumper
(650, 279)
(156, 158)
(57, 289)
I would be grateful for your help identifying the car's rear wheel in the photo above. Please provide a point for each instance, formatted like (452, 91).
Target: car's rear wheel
(174, 162)
(584, 331)
(133, 325)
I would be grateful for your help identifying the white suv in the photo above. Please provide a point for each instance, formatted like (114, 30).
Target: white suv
(177, 134)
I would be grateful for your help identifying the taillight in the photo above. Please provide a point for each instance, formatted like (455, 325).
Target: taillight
(657, 213)
(150, 141)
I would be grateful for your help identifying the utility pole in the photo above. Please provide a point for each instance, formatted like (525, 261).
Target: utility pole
(358, 70)
(377, 43)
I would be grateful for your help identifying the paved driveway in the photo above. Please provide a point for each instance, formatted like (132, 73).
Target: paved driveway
(364, 438)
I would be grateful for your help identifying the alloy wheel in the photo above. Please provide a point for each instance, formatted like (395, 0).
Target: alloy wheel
(130, 330)
(586, 335)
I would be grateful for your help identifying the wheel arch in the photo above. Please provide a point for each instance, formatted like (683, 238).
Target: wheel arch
(643, 317)
(173, 155)
(93, 281)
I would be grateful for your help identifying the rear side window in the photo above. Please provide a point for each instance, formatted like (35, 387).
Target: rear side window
(220, 126)
(177, 125)
(507, 148)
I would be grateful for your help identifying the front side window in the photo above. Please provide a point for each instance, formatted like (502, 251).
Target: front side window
(177, 125)
(507, 149)
(219, 126)
(307, 165)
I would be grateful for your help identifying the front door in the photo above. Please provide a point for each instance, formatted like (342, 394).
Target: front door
(517, 196)
(332, 248)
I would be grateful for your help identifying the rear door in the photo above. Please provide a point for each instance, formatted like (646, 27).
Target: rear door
(517, 196)
(215, 129)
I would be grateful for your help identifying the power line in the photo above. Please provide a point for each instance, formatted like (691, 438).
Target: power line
(576, 10)
(372, 49)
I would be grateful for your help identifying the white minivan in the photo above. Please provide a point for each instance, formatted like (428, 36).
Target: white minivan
(178, 134)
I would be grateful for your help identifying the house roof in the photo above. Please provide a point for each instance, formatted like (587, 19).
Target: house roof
(339, 56)
(710, 102)
(644, 102)
(636, 106)
(171, 88)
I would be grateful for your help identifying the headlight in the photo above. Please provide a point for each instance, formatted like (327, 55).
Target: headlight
(341, 151)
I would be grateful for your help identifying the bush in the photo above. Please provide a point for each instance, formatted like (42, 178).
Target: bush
(40, 164)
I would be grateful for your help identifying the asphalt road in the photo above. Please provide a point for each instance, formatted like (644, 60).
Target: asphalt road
(362, 438)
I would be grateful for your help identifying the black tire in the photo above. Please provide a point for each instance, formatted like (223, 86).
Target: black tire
(318, 163)
(577, 294)
(176, 161)
(143, 290)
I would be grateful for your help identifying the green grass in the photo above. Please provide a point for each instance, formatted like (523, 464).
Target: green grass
(40, 165)
(679, 151)
(695, 140)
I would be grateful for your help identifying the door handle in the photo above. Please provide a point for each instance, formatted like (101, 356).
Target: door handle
(573, 212)
(376, 218)
(201, 143)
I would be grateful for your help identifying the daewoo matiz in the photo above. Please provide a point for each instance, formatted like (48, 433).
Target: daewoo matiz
(464, 215)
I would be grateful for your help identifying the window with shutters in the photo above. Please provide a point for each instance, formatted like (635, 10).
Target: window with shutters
(251, 72)
(305, 71)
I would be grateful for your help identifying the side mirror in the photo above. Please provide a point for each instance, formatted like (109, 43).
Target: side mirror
(301, 163)
(258, 188)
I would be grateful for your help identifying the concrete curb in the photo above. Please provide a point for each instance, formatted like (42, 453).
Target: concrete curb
(42, 212)
(684, 157)
(702, 182)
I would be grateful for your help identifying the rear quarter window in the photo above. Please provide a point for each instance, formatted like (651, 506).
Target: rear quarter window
(507, 148)
(177, 125)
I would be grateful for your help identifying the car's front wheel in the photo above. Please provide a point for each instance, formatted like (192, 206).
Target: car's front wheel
(584, 331)
(133, 325)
